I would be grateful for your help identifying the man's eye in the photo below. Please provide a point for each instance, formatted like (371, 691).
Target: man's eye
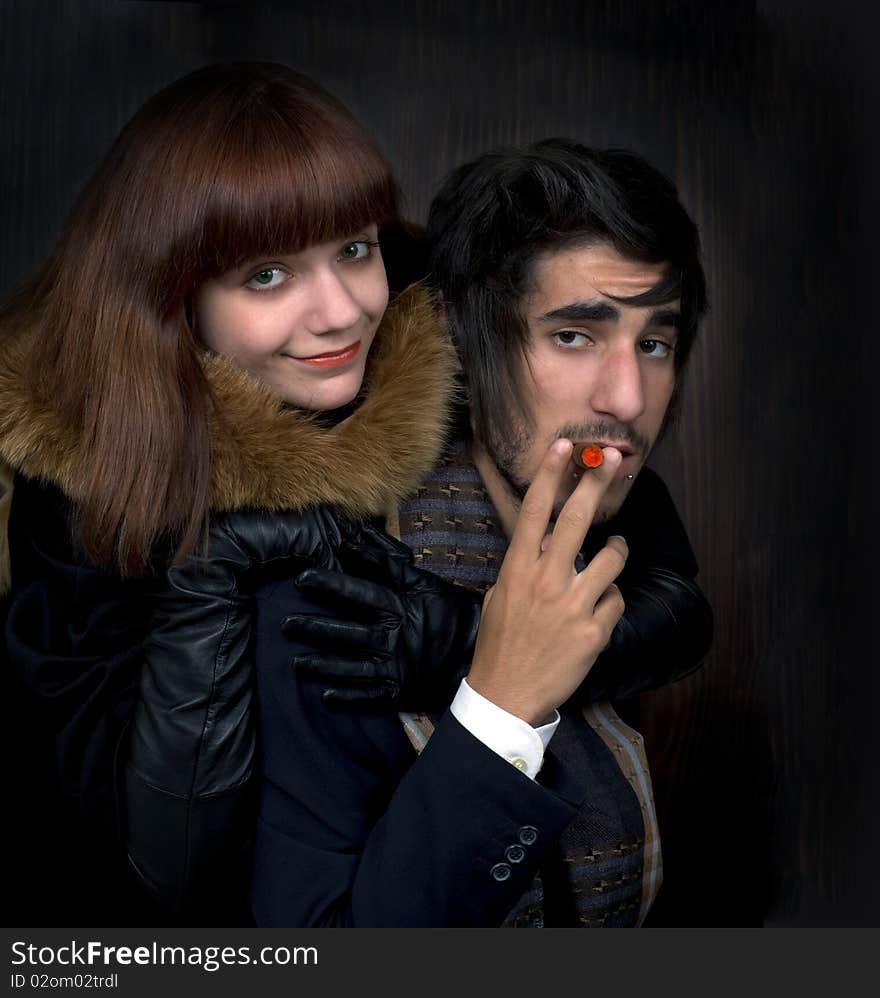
(570, 338)
(656, 348)
(268, 277)
(357, 250)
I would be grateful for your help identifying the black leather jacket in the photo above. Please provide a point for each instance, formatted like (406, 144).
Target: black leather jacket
(130, 697)
(143, 685)
(189, 765)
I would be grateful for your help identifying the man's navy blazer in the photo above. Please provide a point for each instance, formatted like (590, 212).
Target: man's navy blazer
(357, 829)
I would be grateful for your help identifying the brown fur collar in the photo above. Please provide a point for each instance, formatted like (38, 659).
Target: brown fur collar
(268, 456)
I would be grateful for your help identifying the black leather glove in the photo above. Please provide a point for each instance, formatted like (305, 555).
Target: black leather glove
(186, 793)
(415, 636)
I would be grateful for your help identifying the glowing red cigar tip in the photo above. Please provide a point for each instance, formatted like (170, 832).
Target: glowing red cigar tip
(592, 456)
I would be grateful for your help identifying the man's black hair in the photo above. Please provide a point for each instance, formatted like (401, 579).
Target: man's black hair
(495, 215)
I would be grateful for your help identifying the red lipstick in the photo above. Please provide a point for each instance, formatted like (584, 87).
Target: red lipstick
(335, 358)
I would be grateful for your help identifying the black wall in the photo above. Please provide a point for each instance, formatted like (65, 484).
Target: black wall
(764, 762)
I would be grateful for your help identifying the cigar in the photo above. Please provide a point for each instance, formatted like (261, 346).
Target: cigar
(586, 455)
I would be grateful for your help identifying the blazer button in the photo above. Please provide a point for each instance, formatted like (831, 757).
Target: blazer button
(514, 854)
(500, 871)
(528, 835)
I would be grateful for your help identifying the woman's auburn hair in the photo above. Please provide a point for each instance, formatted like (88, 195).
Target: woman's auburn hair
(231, 163)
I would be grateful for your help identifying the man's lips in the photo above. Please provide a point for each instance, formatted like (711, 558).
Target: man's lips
(333, 358)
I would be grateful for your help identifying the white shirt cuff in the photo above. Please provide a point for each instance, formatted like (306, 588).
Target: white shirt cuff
(506, 734)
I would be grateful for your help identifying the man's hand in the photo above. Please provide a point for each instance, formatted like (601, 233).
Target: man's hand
(543, 623)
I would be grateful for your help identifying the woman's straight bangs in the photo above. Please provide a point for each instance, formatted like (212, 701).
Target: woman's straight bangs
(282, 187)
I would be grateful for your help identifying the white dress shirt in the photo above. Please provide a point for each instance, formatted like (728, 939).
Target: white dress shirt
(506, 734)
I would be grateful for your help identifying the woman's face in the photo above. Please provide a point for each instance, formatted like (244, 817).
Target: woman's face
(302, 323)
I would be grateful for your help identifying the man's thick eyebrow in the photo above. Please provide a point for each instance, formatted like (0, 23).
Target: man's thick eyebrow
(601, 311)
(583, 311)
(665, 317)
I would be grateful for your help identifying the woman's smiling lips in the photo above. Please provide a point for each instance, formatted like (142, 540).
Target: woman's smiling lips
(335, 358)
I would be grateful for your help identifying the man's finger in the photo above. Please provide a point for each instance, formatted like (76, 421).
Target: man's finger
(537, 506)
(576, 516)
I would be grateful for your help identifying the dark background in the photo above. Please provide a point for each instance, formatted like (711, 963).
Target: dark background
(764, 763)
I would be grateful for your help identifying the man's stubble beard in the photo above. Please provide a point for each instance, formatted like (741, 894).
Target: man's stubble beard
(507, 454)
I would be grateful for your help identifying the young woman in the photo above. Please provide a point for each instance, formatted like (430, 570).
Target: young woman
(205, 356)
(204, 388)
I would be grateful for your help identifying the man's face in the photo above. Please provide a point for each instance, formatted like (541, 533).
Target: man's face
(596, 369)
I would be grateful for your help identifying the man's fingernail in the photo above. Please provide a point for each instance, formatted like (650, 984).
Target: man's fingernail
(561, 446)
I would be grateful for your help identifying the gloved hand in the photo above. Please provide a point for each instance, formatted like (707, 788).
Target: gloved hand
(406, 636)
(663, 635)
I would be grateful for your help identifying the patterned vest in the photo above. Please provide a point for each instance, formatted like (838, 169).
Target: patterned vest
(606, 868)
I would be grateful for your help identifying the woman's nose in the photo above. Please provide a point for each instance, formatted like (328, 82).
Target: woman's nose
(332, 305)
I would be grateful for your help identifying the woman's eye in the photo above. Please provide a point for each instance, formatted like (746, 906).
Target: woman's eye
(656, 348)
(570, 338)
(268, 277)
(357, 250)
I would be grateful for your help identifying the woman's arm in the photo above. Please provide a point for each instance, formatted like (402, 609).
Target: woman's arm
(187, 794)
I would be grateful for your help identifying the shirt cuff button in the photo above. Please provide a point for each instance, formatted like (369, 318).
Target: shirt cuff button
(519, 763)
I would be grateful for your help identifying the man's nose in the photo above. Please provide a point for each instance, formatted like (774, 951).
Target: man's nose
(617, 390)
(332, 305)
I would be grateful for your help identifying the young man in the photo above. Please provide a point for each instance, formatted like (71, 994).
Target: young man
(532, 253)
(572, 284)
